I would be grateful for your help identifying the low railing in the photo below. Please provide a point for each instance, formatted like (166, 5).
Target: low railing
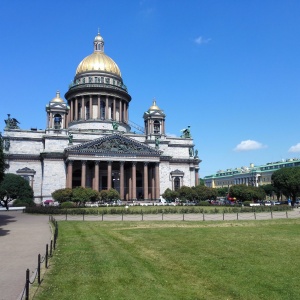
(36, 276)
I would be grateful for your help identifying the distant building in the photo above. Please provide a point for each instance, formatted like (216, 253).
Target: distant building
(252, 175)
(88, 140)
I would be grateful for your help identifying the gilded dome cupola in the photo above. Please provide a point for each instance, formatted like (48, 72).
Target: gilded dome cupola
(98, 61)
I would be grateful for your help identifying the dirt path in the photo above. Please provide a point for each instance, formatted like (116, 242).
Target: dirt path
(22, 238)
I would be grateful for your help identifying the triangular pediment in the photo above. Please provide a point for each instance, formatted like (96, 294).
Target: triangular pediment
(114, 144)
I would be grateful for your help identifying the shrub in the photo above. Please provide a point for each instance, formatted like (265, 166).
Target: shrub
(204, 203)
(67, 204)
(247, 203)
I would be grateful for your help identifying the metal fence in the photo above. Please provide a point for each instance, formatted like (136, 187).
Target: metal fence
(180, 216)
(42, 260)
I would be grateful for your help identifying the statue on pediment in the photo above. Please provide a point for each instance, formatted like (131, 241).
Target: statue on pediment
(11, 123)
(186, 133)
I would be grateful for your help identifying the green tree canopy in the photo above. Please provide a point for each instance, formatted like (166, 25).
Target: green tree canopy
(247, 193)
(203, 192)
(113, 194)
(14, 187)
(170, 195)
(287, 180)
(81, 195)
(62, 195)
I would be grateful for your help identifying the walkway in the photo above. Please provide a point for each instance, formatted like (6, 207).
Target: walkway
(22, 238)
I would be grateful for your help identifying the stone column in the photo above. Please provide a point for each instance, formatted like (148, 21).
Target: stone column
(109, 174)
(146, 195)
(82, 109)
(91, 107)
(96, 183)
(51, 120)
(69, 174)
(114, 108)
(134, 180)
(196, 177)
(122, 180)
(120, 111)
(152, 183)
(76, 109)
(98, 108)
(71, 110)
(157, 182)
(83, 173)
(106, 108)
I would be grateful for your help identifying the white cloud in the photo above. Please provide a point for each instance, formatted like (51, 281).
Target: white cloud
(249, 145)
(295, 148)
(200, 40)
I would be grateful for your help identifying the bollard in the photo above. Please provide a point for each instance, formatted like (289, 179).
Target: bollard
(39, 269)
(27, 285)
(142, 216)
(122, 216)
(83, 216)
(102, 216)
(286, 214)
(254, 216)
(162, 216)
(66, 214)
(203, 216)
(46, 257)
(237, 216)
(271, 214)
(51, 245)
(223, 216)
(183, 217)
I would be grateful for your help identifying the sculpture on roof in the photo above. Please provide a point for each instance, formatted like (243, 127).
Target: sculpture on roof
(70, 138)
(157, 142)
(186, 133)
(115, 125)
(11, 123)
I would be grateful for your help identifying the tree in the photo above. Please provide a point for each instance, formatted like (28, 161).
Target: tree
(203, 192)
(14, 187)
(62, 195)
(113, 194)
(170, 195)
(287, 181)
(246, 192)
(82, 195)
(103, 195)
(185, 193)
(222, 192)
(2, 161)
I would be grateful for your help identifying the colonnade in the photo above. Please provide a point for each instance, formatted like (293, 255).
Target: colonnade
(136, 180)
(98, 107)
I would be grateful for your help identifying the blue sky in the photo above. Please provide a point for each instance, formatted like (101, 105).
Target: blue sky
(229, 69)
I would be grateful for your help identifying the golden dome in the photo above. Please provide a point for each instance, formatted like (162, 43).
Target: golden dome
(154, 106)
(57, 98)
(98, 61)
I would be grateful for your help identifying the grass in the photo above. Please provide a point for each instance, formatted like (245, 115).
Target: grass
(175, 260)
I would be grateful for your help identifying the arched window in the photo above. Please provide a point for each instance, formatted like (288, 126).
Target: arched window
(156, 127)
(176, 183)
(57, 121)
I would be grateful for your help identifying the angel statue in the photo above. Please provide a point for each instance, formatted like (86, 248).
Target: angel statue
(11, 123)
(115, 125)
(186, 133)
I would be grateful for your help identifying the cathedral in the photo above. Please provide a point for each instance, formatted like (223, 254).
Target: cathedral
(89, 140)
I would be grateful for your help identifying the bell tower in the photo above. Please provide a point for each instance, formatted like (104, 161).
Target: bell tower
(57, 112)
(154, 119)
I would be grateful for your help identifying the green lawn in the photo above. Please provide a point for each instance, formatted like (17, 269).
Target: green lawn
(175, 260)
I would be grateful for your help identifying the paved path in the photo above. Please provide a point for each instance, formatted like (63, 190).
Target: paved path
(22, 238)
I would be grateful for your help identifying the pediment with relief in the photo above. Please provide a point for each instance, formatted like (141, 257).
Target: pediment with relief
(114, 144)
